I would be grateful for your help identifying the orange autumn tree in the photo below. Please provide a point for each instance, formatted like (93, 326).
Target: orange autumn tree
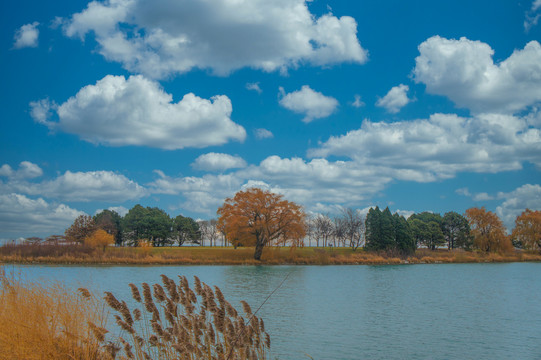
(528, 229)
(259, 218)
(100, 238)
(488, 231)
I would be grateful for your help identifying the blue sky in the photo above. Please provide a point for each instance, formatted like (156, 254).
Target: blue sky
(419, 106)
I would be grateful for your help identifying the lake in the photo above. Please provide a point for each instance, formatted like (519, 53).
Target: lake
(440, 311)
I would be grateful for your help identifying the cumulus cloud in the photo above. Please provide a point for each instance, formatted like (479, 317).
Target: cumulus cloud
(306, 101)
(308, 183)
(395, 99)
(26, 36)
(26, 170)
(464, 71)
(79, 186)
(136, 111)
(33, 217)
(439, 147)
(218, 162)
(263, 134)
(166, 37)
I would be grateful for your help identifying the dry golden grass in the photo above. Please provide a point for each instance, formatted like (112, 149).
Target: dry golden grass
(244, 256)
(46, 322)
(169, 322)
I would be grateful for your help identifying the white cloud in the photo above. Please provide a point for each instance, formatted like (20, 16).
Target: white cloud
(26, 36)
(26, 170)
(263, 134)
(306, 101)
(440, 147)
(120, 210)
(395, 99)
(308, 183)
(464, 71)
(525, 197)
(357, 102)
(166, 37)
(136, 111)
(218, 162)
(532, 16)
(80, 186)
(22, 215)
(254, 86)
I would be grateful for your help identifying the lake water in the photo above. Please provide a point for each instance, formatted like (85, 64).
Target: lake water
(442, 311)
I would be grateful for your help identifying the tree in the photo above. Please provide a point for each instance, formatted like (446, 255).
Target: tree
(258, 217)
(323, 228)
(148, 223)
(186, 229)
(34, 240)
(209, 230)
(82, 227)
(405, 242)
(456, 231)
(354, 227)
(100, 238)
(426, 228)
(110, 221)
(488, 230)
(379, 230)
(527, 231)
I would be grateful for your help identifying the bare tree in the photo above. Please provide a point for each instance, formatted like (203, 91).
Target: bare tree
(354, 227)
(209, 231)
(323, 228)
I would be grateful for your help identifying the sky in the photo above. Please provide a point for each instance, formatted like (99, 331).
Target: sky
(416, 105)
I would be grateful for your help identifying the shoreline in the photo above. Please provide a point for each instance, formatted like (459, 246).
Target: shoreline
(271, 256)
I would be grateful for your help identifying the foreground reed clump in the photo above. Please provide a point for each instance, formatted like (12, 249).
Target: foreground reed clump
(46, 322)
(175, 322)
(39, 321)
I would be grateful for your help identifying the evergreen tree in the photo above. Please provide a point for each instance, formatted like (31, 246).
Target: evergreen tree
(405, 242)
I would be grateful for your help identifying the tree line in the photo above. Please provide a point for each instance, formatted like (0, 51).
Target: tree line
(150, 225)
(259, 218)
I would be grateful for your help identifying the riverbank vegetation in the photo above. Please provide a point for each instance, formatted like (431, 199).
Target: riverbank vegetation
(49, 321)
(277, 231)
(60, 254)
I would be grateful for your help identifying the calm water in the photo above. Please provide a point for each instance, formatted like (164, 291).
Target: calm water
(444, 311)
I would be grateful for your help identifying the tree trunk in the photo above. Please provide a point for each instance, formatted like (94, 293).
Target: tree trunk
(258, 249)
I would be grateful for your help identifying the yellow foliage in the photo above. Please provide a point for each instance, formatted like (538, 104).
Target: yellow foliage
(100, 238)
(46, 322)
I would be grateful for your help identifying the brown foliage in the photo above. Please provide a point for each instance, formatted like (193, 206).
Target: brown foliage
(488, 231)
(259, 218)
(528, 229)
(81, 228)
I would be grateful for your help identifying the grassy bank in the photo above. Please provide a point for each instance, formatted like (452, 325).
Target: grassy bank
(51, 254)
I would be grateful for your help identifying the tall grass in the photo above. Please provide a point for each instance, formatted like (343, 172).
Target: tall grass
(40, 321)
(172, 321)
(62, 254)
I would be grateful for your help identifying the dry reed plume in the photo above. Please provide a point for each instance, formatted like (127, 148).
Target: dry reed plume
(175, 322)
(172, 322)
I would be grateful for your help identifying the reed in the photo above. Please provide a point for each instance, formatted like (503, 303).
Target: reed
(174, 321)
(40, 321)
(170, 321)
